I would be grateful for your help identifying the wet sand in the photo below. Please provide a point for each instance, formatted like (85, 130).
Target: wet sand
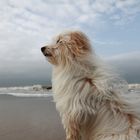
(29, 119)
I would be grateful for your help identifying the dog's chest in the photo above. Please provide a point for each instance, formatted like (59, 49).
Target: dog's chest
(61, 83)
(63, 89)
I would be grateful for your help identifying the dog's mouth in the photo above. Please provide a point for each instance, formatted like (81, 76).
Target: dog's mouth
(47, 54)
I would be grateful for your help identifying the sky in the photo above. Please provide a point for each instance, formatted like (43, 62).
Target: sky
(113, 26)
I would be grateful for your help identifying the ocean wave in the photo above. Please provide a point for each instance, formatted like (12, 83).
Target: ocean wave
(28, 88)
(29, 95)
(45, 91)
(27, 91)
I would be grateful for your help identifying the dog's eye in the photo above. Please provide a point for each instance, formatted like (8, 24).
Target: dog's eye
(57, 41)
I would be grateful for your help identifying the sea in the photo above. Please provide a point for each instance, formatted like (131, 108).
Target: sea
(26, 91)
(40, 91)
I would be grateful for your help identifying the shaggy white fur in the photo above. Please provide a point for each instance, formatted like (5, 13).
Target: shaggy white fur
(89, 97)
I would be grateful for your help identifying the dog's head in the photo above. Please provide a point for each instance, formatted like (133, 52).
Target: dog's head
(68, 47)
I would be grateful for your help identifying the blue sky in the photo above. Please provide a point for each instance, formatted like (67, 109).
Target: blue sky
(120, 38)
(113, 27)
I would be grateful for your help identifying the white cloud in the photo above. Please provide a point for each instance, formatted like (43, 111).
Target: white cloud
(39, 16)
(125, 56)
(127, 65)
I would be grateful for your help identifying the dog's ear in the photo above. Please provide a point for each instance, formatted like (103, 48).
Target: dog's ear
(81, 40)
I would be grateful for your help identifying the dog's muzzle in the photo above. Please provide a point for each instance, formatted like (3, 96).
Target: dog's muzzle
(46, 51)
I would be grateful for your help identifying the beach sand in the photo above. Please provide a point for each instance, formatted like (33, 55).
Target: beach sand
(29, 118)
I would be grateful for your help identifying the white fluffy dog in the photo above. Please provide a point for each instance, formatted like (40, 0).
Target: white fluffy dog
(86, 93)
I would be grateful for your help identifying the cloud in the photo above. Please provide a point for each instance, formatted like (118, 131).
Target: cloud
(120, 11)
(127, 65)
(125, 56)
(46, 16)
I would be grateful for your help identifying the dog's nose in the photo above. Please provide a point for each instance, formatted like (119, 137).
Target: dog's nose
(43, 49)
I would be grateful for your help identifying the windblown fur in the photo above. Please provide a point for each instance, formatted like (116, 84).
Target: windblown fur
(89, 97)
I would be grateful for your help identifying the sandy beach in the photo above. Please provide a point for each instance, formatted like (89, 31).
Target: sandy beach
(29, 118)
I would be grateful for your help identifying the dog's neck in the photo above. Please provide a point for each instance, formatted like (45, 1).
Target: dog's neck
(76, 68)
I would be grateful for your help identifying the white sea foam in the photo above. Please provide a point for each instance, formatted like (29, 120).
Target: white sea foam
(28, 88)
(29, 95)
(27, 91)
